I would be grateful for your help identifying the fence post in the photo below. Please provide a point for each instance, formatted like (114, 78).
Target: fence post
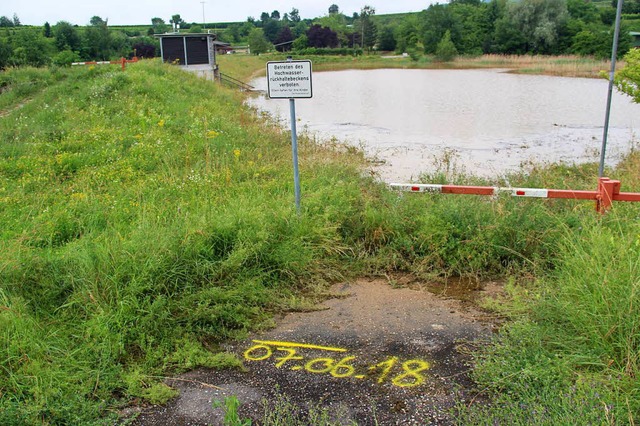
(607, 188)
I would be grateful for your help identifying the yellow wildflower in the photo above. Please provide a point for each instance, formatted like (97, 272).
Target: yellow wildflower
(212, 134)
(161, 123)
(236, 152)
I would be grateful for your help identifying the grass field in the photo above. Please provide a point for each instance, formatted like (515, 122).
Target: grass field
(148, 217)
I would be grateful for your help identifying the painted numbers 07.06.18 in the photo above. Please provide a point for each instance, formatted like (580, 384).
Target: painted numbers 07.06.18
(286, 354)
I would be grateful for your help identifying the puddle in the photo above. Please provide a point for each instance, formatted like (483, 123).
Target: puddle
(459, 288)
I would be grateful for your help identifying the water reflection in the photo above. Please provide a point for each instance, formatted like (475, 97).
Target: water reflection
(492, 120)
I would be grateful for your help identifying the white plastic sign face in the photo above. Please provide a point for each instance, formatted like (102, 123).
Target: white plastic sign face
(289, 79)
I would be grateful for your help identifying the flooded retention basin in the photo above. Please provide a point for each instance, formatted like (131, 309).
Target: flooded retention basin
(488, 122)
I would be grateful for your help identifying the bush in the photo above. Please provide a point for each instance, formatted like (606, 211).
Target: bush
(627, 80)
(65, 58)
(446, 50)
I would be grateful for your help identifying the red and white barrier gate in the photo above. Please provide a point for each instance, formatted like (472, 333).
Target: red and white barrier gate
(608, 191)
(121, 61)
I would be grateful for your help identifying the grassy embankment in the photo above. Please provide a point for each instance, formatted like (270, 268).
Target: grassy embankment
(147, 216)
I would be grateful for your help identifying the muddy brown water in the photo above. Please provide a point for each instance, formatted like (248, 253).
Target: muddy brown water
(487, 122)
(379, 355)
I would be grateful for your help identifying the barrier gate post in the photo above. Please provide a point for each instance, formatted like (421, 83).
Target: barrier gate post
(607, 192)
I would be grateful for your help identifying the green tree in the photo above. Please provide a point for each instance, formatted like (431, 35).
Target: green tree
(584, 11)
(591, 41)
(65, 58)
(539, 21)
(97, 40)
(387, 39)
(6, 51)
(257, 42)
(294, 15)
(407, 34)
(233, 33)
(5, 22)
(494, 12)
(628, 6)
(30, 48)
(368, 28)
(627, 80)
(300, 29)
(301, 42)
(246, 28)
(471, 21)
(120, 45)
(66, 36)
(508, 39)
(271, 29)
(97, 21)
(337, 22)
(46, 30)
(446, 50)
(436, 21)
(607, 16)
(264, 17)
(176, 21)
(158, 25)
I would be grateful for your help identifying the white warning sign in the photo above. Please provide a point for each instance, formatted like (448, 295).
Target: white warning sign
(289, 79)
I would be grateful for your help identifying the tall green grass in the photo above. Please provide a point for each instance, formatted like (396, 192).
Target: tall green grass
(572, 349)
(148, 217)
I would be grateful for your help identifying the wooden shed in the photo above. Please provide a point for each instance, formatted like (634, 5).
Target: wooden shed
(189, 49)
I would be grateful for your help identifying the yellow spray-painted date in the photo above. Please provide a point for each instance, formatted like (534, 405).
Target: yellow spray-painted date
(288, 355)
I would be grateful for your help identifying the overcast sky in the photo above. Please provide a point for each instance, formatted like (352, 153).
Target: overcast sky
(129, 12)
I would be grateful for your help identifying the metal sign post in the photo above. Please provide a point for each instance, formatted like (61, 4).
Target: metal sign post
(294, 152)
(614, 54)
(290, 80)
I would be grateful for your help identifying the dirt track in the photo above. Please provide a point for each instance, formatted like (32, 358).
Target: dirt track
(379, 356)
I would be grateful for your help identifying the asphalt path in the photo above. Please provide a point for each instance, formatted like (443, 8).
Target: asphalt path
(378, 355)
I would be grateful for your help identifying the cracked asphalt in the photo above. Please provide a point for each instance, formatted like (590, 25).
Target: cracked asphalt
(378, 356)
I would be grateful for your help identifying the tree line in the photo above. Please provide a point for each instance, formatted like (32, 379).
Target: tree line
(466, 27)
(64, 43)
(460, 27)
